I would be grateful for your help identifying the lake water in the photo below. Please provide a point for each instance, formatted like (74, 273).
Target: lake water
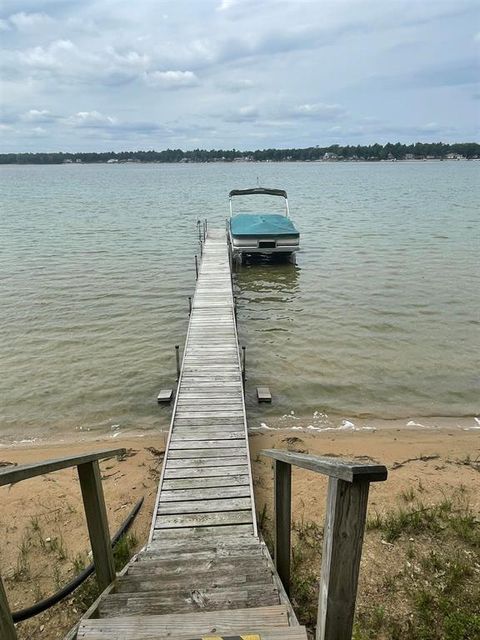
(379, 318)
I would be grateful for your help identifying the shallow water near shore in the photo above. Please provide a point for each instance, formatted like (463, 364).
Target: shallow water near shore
(377, 321)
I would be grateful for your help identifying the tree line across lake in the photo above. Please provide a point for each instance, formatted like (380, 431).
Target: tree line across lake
(374, 152)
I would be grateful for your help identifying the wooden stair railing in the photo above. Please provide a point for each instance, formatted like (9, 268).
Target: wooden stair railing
(95, 512)
(346, 512)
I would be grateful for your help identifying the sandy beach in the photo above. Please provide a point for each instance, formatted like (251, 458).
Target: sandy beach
(43, 527)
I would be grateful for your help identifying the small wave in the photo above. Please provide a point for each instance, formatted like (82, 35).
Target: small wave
(412, 423)
(474, 427)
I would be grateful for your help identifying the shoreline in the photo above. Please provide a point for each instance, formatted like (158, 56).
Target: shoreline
(318, 423)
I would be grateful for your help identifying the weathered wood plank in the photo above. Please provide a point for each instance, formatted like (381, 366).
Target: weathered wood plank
(205, 472)
(207, 444)
(348, 470)
(97, 522)
(216, 421)
(201, 599)
(342, 550)
(204, 506)
(202, 493)
(206, 482)
(203, 519)
(221, 622)
(202, 535)
(191, 435)
(159, 584)
(202, 463)
(272, 633)
(227, 452)
(24, 471)
(170, 568)
(283, 502)
(212, 413)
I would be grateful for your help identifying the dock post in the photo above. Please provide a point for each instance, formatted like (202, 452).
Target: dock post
(199, 231)
(235, 308)
(7, 628)
(196, 266)
(177, 357)
(244, 349)
(189, 305)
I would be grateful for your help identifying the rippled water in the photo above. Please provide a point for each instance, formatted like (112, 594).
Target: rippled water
(379, 317)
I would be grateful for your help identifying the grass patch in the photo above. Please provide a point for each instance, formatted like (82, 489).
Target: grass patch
(88, 591)
(123, 550)
(423, 585)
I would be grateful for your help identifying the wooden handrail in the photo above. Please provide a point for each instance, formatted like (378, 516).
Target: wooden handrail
(348, 470)
(347, 498)
(25, 471)
(95, 511)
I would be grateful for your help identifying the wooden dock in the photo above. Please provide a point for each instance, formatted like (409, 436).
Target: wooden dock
(204, 570)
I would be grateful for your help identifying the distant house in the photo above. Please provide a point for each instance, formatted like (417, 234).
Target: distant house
(330, 156)
(78, 161)
(67, 161)
(409, 156)
(454, 156)
(112, 161)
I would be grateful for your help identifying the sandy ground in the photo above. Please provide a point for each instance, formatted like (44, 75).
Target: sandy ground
(42, 524)
(437, 461)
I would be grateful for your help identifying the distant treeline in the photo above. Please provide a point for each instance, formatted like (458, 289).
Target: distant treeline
(374, 152)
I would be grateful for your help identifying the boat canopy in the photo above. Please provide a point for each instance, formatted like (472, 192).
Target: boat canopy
(258, 190)
(262, 225)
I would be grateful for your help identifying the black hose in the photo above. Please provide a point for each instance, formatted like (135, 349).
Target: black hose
(38, 607)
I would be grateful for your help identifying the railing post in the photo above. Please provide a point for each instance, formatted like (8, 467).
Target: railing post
(196, 267)
(96, 513)
(283, 512)
(342, 549)
(189, 305)
(7, 628)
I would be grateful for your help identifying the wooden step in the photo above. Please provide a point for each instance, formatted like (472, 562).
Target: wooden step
(176, 568)
(201, 599)
(190, 625)
(111, 633)
(221, 546)
(152, 583)
(194, 554)
(204, 534)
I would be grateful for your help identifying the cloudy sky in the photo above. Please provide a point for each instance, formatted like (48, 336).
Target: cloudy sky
(97, 75)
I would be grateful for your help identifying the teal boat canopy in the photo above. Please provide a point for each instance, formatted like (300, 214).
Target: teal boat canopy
(262, 225)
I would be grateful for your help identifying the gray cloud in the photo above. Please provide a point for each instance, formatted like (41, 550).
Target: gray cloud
(236, 72)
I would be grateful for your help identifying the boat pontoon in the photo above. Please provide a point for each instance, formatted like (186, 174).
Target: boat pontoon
(262, 233)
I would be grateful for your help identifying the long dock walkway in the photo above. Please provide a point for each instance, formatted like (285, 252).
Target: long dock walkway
(205, 570)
